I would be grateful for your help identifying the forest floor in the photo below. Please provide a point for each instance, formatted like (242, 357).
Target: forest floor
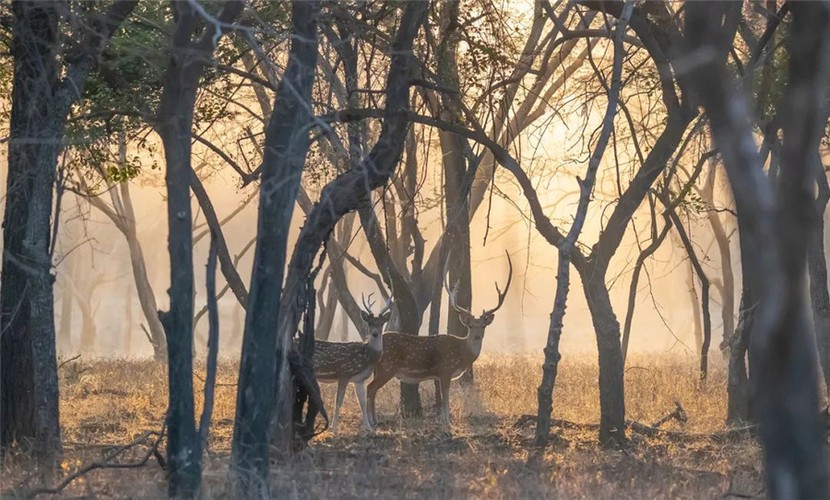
(107, 404)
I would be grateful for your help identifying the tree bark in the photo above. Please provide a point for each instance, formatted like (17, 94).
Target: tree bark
(774, 224)
(586, 186)
(264, 354)
(817, 266)
(351, 190)
(175, 123)
(64, 336)
(40, 105)
(738, 407)
(725, 251)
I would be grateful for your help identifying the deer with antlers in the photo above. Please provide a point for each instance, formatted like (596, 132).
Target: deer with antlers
(352, 362)
(412, 358)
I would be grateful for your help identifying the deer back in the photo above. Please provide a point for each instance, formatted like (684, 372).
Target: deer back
(414, 357)
(336, 360)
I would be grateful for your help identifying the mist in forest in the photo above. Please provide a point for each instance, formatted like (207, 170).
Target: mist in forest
(95, 256)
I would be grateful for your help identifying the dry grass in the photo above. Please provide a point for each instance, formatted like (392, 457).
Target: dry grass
(106, 403)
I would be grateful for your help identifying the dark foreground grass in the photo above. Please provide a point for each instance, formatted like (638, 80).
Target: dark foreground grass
(109, 403)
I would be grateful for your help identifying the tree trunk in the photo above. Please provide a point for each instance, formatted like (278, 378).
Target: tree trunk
(566, 248)
(40, 105)
(127, 347)
(89, 331)
(64, 338)
(264, 354)
(175, 117)
(738, 409)
(611, 366)
(775, 225)
(28, 377)
(352, 189)
(175, 123)
(704, 286)
(725, 250)
(408, 317)
(144, 290)
(817, 266)
(694, 302)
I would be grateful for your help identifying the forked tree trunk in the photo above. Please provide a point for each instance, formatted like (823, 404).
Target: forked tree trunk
(264, 354)
(351, 190)
(568, 246)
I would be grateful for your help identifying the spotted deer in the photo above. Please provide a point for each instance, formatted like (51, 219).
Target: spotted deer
(345, 362)
(413, 358)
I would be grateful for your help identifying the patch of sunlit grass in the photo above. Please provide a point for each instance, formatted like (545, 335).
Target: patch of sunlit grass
(108, 402)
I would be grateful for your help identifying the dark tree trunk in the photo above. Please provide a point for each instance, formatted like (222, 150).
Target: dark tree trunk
(264, 355)
(611, 366)
(694, 302)
(35, 32)
(175, 123)
(40, 106)
(817, 266)
(704, 285)
(773, 226)
(351, 190)
(563, 279)
(175, 119)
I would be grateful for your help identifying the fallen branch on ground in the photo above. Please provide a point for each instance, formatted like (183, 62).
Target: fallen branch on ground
(106, 463)
(648, 430)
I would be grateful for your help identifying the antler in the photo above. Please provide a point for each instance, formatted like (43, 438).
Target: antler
(451, 292)
(503, 294)
(386, 306)
(368, 307)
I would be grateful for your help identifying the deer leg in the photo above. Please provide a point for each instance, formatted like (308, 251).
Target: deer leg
(360, 392)
(341, 392)
(445, 402)
(379, 380)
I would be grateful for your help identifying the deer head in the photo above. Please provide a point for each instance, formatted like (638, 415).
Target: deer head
(476, 324)
(375, 322)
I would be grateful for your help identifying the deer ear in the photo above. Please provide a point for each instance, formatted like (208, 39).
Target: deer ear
(365, 316)
(386, 316)
(489, 319)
